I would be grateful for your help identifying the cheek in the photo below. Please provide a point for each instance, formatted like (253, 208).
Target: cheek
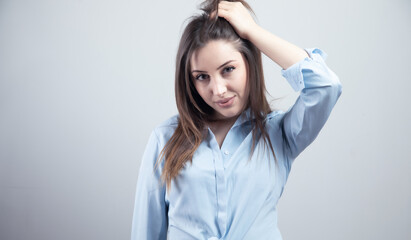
(243, 83)
(201, 89)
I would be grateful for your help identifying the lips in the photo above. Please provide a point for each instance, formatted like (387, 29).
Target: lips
(226, 102)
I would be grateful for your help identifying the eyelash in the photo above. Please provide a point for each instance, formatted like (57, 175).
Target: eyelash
(231, 68)
(228, 69)
(199, 76)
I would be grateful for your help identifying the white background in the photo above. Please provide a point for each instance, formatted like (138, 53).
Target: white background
(83, 83)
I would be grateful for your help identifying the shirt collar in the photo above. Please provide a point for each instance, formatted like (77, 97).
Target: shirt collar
(245, 116)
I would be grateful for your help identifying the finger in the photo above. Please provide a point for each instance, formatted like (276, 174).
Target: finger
(231, 5)
(224, 8)
(235, 7)
(224, 14)
(225, 5)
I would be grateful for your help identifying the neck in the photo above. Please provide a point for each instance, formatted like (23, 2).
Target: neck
(217, 123)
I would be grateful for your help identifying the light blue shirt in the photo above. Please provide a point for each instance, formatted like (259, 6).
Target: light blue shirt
(223, 195)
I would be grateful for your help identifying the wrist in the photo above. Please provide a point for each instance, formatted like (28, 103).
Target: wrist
(254, 32)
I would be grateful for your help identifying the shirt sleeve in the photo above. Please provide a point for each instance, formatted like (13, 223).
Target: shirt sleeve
(150, 210)
(320, 89)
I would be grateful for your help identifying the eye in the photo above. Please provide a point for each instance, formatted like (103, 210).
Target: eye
(228, 69)
(201, 77)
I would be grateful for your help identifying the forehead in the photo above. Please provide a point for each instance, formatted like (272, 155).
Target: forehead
(215, 53)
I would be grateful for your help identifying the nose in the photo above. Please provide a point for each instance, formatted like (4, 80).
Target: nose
(219, 87)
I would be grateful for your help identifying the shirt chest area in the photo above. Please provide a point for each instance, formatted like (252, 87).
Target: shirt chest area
(232, 170)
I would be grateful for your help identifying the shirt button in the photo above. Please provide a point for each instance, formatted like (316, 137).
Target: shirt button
(226, 152)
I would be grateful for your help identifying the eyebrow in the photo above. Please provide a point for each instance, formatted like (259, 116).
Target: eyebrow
(222, 65)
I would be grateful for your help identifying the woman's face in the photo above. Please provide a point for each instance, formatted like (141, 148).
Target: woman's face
(219, 73)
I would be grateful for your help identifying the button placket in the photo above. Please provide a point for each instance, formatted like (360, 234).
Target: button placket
(221, 193)
(220, 187)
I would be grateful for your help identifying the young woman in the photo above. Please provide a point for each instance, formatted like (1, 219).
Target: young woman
(218, 168)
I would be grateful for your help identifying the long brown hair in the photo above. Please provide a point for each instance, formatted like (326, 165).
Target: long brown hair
(193, 111)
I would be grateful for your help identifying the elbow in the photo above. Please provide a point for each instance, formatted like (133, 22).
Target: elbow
(338, 89)
(335, 85)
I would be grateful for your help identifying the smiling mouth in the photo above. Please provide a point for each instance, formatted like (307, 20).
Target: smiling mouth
(226, 102)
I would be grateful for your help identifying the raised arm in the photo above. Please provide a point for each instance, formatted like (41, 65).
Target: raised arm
(304, 69)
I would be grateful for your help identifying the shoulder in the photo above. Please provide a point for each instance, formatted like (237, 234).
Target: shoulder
(165, 130)
(170, 122)
(274, 120)
(275, 115)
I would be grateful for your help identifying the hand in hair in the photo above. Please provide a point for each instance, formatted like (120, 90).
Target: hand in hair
(280, 51)
(238, 16)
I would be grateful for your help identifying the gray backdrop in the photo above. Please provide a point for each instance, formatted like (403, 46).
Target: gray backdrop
(83, 83)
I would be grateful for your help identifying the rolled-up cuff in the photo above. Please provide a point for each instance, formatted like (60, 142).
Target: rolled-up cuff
(294, 74)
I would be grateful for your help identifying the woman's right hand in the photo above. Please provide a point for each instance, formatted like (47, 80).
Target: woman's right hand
(238, 16)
